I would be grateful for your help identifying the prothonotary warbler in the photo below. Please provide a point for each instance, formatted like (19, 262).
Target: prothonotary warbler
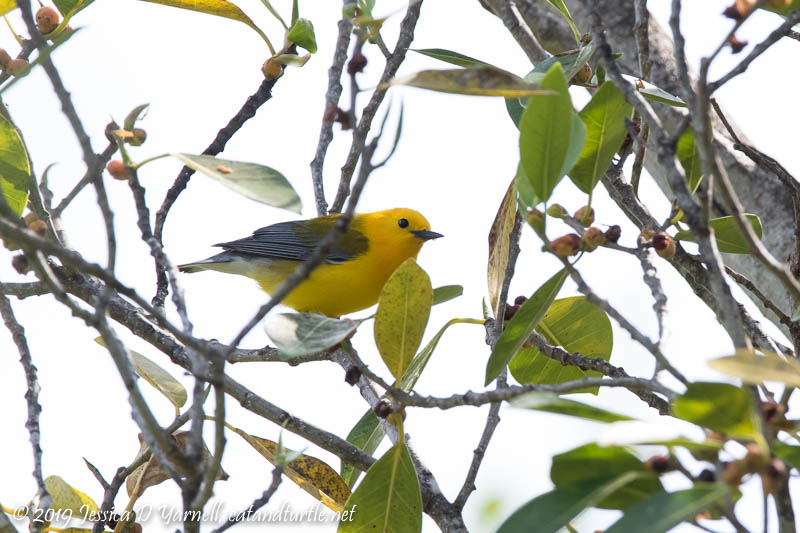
(353, 274)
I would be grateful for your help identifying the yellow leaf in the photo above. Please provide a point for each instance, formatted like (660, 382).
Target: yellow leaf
(220, 8)
(156, 376)
(67, 498)
(499, 239)
(7, 5)
(310, 474)
(403, 310)
(479, 81)
(752, 368)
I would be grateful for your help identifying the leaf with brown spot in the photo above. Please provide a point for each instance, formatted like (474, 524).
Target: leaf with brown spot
(476, 81)
(309, 473)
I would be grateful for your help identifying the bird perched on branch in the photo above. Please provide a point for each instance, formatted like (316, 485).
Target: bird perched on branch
(352, 274)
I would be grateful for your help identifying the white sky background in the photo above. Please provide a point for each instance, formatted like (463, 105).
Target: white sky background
(455, 160)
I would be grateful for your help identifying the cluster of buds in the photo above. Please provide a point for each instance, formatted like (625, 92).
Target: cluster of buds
(133, 136)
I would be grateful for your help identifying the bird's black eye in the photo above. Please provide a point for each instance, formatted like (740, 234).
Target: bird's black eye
(403, 223)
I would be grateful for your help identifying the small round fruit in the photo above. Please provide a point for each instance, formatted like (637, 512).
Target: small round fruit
(47, 19)
(584, 215)
(566, 245)
(20, 264)
(272, 69)
(117, 169)
(17, 67)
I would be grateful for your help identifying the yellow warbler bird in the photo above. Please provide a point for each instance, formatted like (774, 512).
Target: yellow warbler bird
(352, 275)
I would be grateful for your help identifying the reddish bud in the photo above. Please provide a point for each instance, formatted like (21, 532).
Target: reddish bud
(272, 69)
(17, 67)
(382, 409)
(660, 464)
(352, 375)
(117, 170)
(566, 245)
(20, 264)
(736, 45)
(47, 19)
(584, 215)
(356, 63)
(613, 233)
(592, 238)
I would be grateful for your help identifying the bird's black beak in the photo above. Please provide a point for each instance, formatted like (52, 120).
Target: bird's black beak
(426, 234)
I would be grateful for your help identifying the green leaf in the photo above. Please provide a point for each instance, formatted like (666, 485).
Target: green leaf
(296, 334)
(604, 117)
(577, 139)
(651, 92)
(476, 81)
(552, 403)
(219, 8)
(664, 510)
(133, 116)
(156, 376)
(302, 34)
(403, 310)
(571, 63)
(526, 196)
(593, 464)
(550, 512)
(729, 237)
(577, 326)
(15, 169)
(689, 159)
(545, 134)
(783, 11)
(752, 368)
(389, 499)
(67, 498)
(257, 182)
(70, 7)
(796, 314)
(720, 407)
(517, 330)
(454, 58)
(367, 434)
(789, 454)
(446, 293)
(559, 4)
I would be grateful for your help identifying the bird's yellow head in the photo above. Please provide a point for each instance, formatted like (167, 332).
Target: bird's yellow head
(396, 234)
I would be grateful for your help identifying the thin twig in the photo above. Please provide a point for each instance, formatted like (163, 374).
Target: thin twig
(32, 399)
(257, 504)
(331, 102)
